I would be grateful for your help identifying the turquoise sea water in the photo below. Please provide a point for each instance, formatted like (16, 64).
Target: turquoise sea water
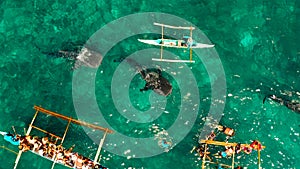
(256, 41)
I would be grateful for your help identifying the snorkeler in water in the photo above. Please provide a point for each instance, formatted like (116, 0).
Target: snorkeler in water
(294, 106)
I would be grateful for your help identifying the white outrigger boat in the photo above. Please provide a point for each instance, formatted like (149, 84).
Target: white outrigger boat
(186, 42)
(51, 150)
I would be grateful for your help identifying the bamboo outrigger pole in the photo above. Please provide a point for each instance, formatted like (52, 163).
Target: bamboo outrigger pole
(173, 27)
(191, 51)
(204, 157)
(162, 41)
(258, 158)
(9, 150)
(232, 165)
(27, 133)
(99, 148)
(62, 140)
(82, 123)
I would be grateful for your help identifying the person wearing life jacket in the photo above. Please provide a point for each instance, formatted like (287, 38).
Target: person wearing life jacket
(256, 145)
(247, 149)
(226, 130)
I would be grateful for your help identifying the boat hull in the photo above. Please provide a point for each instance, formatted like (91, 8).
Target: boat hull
(174, 43)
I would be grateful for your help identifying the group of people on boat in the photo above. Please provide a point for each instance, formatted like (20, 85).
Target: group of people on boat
(229, 150)
(48, 149)
(186, 41)
(247, 149)
(229, 132)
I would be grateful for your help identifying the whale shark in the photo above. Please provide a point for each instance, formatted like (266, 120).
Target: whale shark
(292, 105)
(153, 77)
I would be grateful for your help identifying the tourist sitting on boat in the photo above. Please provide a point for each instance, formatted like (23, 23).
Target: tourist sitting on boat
(226, 130)
(13, 139)
(238, 148)
(33, 142)
(188, 41)
(247, 149)
(45, 141)
(24, 144)
(224, 154)
(78, 162)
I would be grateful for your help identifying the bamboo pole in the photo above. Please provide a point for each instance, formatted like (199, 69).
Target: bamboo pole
(44, 131)
(173, 27)
(62, 140)
(13, 127)
(100, 147)
(258, 158)
(65, 133)
(232, 166)
(27, 133)
(219, 143)
(162, 41)
(204, 157)
(9, 150)
(82, 123)
(191, 51)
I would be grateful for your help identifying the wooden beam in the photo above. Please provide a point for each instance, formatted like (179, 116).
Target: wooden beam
(232, 165)
(9, 150)
(219, 143)
(204, 157)
(44, 131)
(82, 123)
(162, 42)
(258, 158)
(173, 60)
(27, 133)
(174, 27)
(100, 147)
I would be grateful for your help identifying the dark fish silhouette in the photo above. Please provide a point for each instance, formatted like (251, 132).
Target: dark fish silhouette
(84, 56)
(294, 106)
(153, 77)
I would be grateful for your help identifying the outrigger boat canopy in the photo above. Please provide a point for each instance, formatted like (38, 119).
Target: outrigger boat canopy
(70, 120)
(186, 42)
